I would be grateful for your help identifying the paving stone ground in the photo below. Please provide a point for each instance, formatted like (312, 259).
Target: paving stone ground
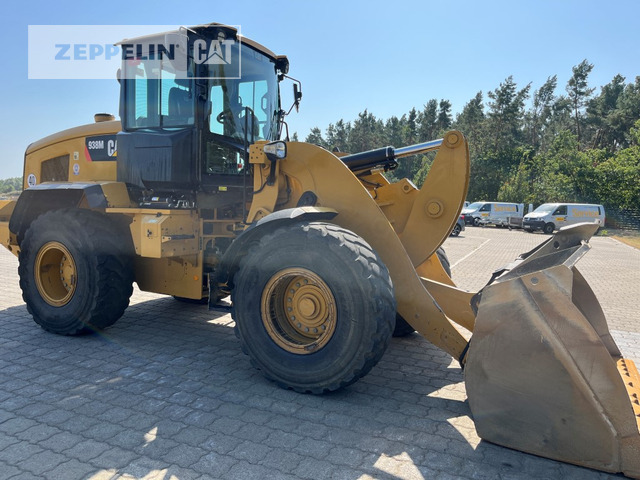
(166, 393)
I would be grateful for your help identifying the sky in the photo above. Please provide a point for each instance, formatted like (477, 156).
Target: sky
(384, 56)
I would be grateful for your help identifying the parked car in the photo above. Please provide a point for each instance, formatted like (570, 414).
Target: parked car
(459, 227)
(552, 216)
(497, 213)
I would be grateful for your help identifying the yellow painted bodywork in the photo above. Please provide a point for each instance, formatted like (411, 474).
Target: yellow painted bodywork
(169, 257)
(71, 142)
(116, 194)
(178, 276)
(7, 239)
(162, 234)
(629, 373)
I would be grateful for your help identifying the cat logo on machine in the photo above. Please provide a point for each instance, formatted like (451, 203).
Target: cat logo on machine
(101, 148)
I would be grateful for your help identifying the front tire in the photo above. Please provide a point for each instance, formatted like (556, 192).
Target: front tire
(548, 228)
(74, 272)
(314, 307)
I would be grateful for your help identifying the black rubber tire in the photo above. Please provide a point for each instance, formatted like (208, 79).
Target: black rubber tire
(548, 228)
(364, 306)
(100, 248)
(444, 259)
(456, 230)
(403, 328)
(476, 221)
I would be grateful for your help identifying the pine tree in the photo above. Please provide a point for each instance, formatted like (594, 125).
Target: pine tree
(579, 93)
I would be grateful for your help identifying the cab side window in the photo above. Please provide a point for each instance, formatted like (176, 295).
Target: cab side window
(157, 95)
(486, 208)
(562, 210)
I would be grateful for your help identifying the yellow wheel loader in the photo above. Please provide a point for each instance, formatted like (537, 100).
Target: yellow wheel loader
(193, 194)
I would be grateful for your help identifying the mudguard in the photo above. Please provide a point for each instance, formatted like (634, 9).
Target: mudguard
(44, 197)
(238, 249)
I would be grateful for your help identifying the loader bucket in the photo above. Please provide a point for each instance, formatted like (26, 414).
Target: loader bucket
(543, 374)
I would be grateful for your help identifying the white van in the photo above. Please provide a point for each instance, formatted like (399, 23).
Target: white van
(497, 213)
(552, 216)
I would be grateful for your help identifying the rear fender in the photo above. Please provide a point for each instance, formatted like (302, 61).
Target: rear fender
(44, 197)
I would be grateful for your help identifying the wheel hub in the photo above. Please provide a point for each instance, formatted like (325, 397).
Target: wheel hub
(55, 274)
(298, 310)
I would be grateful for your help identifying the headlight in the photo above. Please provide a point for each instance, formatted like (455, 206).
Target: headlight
(276, 150)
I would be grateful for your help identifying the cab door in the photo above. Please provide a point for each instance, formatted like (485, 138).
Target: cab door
(485, 213)
(560, 216)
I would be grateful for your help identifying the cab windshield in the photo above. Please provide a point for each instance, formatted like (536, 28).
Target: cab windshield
(545, 208)
(243, 96)
(474, 206)
(249, 102)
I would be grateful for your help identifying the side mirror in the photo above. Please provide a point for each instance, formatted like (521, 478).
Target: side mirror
(297, 96)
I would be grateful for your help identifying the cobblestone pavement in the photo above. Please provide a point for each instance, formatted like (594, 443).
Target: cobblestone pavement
(166, 393)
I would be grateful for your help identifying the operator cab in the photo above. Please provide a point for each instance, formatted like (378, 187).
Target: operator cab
(192, 101)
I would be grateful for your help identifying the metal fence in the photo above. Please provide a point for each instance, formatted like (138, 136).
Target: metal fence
(623, 219)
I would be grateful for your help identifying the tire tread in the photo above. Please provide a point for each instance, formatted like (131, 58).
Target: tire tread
(378, 287)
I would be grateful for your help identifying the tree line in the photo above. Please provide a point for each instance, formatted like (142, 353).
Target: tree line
(526, 146)
(10, 185)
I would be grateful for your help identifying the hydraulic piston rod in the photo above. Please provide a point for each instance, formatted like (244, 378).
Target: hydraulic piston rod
(386, 156)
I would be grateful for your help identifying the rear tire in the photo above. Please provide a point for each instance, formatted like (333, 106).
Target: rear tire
(75, 273)
(403, 328)
(456, 230)
(314, 307)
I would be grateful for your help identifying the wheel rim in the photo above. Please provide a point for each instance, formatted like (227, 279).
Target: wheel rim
(55, 274)
(298, 311)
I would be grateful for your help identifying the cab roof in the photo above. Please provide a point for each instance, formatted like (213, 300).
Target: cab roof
(202, 30)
